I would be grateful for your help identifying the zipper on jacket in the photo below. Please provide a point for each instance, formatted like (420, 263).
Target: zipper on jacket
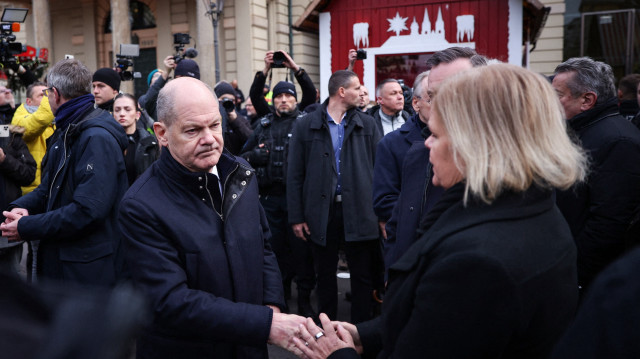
(64, 161)
(206, 184)
(425, 194)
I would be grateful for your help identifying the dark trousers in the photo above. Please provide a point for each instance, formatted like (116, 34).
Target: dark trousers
(293, 254)
(361, 258)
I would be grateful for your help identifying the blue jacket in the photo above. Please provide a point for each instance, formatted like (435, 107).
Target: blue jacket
(208, 275)
(403, 191)
(73, 211)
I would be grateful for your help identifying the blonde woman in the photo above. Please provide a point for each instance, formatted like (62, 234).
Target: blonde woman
(494, 275)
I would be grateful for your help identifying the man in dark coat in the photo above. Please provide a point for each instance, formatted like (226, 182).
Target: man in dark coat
(329, 186)
(199, 246)
(106, 85)
(627, 94)
(256, 92)
(389, 113)
(267, 151)
(601, 210)
(73, 211)
(402, 188)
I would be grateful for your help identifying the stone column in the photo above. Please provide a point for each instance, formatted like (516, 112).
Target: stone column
(42, 25)
(204, 35)
(120, 33)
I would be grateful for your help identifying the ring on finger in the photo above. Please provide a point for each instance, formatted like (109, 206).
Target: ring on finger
(306, 344)
(319, 335)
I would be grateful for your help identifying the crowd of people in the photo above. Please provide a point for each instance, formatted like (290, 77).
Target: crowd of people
(476, 219)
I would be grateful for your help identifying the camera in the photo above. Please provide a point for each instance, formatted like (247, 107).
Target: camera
(361, 54)
(228, 104)
(124, 60)
(10, 24)
(179, 41)
(278, 59)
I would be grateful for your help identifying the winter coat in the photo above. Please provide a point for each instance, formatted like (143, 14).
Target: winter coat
(38, 127)
(403, 191)
(147, 151)
(600, 211)
(375, 113)
(484, 281)
(312, 175)
(73, 211)
(208, 275)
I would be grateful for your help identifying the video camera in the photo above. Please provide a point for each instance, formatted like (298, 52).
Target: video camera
(10, 24)
(361, 54)
(179, 41)
(125, 59)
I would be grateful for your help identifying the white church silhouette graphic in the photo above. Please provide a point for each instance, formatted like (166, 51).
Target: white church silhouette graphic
(421, 39)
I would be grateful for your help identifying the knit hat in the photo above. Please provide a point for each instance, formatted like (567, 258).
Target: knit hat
(187, 67)
(224, 88)
(108, 76)
(285, 87)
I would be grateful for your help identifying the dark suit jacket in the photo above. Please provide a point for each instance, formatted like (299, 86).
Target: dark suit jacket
(484, 281)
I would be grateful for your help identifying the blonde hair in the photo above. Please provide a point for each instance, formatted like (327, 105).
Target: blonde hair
(507, 131)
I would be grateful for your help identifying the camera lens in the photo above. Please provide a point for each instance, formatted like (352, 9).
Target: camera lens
(227, 104)
(278, 59)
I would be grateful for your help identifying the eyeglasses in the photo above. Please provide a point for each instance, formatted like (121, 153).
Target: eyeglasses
(6, 91)
(47, 90)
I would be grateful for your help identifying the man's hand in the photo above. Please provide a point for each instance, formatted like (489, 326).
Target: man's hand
(334, 338)
(2, 155)
(10, 226)
(290, 63)
(283, 328)
(300, 229)
(268, 60)
(353, 55)
(353, 331)
(383, 229)
(169, 65)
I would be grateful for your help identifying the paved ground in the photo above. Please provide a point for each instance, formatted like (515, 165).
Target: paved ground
(344, 313)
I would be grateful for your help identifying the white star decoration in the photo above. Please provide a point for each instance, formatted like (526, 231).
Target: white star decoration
(397, 24)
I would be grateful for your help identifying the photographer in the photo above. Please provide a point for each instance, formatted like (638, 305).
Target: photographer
(282, 59)
(267, 152)
(236, 128)
(149, 99)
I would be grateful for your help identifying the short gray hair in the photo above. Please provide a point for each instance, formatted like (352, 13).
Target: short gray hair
(417, 84)
(590, 76)
(71, 78)
(166, 105)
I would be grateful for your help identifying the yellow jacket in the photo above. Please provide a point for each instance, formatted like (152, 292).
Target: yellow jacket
(38, 127)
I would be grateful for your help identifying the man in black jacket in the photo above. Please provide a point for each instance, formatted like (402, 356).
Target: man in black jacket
(329, 186)
(267, 152)
(105, 85)
(601, 210)
(257, 87)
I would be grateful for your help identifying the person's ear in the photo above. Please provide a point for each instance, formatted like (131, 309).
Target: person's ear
(160, 129)
(588, 101)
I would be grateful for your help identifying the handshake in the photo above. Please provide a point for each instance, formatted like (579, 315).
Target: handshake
(305, 339)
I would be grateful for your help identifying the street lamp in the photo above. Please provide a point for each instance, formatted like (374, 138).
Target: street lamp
(214, 12)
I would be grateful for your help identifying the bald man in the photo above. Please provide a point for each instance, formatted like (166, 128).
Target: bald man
(199, 246)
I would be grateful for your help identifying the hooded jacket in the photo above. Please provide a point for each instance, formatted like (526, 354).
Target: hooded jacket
(73, 211)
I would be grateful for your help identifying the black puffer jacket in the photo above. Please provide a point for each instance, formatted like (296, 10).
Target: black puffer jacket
(17, 169)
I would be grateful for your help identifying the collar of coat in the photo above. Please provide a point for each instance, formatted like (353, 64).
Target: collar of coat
(449, 216)
(599, 112)
(317, 122)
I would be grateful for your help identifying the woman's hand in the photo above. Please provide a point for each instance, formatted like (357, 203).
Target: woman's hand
(315, 343)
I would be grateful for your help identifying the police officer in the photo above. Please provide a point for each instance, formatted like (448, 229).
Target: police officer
(267, 152)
